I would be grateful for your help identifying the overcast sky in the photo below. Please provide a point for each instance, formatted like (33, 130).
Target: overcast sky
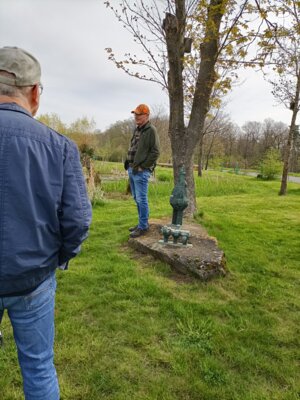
(69, 37)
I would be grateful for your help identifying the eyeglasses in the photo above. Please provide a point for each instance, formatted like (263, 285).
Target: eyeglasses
(41, 88)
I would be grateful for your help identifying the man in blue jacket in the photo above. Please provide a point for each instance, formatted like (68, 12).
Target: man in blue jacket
(44, 217)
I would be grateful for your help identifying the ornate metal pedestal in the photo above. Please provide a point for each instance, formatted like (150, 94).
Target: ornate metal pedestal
(179, 202)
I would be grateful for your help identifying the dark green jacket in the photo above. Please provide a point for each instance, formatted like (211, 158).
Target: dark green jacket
(148, 148)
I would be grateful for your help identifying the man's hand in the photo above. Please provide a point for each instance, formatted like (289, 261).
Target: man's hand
(126, 165)
(135, 170)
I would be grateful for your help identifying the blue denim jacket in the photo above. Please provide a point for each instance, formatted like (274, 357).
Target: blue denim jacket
(45, 212)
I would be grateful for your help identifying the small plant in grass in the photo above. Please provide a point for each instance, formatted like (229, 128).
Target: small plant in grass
(212, 374)
(96, 195)
(196, 334)
(271, 165)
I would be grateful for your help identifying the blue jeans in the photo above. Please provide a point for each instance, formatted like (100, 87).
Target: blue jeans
(32, 319)
(139, 183)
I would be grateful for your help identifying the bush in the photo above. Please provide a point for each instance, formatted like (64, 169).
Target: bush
(271, 165)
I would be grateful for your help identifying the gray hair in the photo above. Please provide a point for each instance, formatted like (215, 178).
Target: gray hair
(12, 91)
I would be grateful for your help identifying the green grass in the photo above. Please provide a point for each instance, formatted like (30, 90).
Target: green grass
(126, 329)
(108, 168)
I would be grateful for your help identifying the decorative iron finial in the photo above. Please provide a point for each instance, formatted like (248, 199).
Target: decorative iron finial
(178, 199)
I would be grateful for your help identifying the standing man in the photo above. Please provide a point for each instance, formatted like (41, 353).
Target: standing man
(140, 163)
(44, 217)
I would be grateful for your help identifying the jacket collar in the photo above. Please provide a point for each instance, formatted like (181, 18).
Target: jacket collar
(14, 107)
(144, 127)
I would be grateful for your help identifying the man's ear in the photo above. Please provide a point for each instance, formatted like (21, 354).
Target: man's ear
(34, 99)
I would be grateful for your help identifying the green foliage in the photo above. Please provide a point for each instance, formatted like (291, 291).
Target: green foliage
(86, 150)
(271, 166)
(96, 196)
(116, 155)
(53, 121)
(215, 163)
(82, 125)
(165, 176)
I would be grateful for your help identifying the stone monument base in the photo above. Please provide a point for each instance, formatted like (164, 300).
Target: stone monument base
(203, 259)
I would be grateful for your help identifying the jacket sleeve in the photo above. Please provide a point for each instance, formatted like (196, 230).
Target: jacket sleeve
(75, 213)
(153, 150)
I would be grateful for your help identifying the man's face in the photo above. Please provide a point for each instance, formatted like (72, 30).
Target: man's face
(141, 119)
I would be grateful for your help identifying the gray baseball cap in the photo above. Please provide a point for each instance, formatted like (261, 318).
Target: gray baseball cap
(23, 65)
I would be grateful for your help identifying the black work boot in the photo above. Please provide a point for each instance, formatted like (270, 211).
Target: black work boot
(138, 232)
(133, 228)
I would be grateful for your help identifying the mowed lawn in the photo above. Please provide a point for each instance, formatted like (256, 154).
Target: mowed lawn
(129, 328)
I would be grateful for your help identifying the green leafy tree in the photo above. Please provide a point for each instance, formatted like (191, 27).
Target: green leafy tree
(82, 126)
(53, 121)
(83, 132)
(271, 165)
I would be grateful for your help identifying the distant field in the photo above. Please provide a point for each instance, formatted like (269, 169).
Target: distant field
(127, 327)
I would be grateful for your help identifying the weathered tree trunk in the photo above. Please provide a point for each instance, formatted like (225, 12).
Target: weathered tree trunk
(174, 26)
(290, 141)
(184, 140)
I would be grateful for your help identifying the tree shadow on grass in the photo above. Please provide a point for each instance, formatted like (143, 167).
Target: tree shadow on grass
(294, 191)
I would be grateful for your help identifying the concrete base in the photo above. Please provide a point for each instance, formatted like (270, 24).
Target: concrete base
(203, 260)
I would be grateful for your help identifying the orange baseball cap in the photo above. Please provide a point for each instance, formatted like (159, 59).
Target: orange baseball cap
(141, 109)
